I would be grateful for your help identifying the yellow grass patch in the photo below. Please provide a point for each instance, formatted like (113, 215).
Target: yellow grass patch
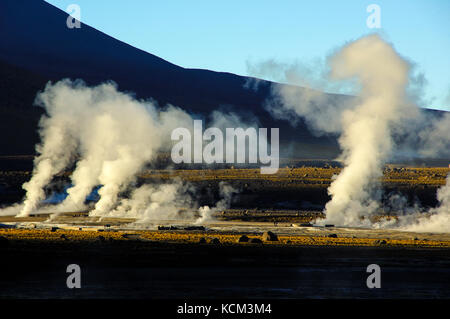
(188, 237)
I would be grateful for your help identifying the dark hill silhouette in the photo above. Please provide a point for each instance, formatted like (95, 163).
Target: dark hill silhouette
(36, 47)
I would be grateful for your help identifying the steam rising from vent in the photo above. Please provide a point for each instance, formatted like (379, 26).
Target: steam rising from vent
(109, 134)
(365, 125)
(155, 202)
(436, 219)
(226, 193)
(366, 138)
(109, 137)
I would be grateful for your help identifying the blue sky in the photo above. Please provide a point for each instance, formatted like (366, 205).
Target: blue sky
(225, 35)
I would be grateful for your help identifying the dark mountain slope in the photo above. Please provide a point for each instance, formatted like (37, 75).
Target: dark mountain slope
(36, 46)
(35, 37)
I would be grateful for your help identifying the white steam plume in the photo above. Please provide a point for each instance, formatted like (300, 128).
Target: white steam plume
(170, 201)
(366, 138)
(113, 135)
(438, 219)
(226, 191)
(365, 124)
(434, 220)
(290, 102)
(110, 137)
(57, 131)
(156, 202)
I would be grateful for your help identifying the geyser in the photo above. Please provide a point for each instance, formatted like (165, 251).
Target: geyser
(109, 134)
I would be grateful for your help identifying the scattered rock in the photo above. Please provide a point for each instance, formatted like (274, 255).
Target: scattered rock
(194, 228)
(256, 241)
(415, 238)
(101, 238)
(132, 236)
(167, 228)
(202, 240)
(332, 235)
(54, 229)
(269, 236)
(63, 237)
(243, 239)
(380, 242)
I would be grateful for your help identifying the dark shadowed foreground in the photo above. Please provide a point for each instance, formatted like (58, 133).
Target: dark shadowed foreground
(147, 269)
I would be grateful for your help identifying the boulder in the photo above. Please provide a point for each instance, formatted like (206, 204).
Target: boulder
(132, 236)
(256, 241)
(333, 235)
(269, 236)
(167, 228)
(305, 225)
(194, 228)
(243, 239)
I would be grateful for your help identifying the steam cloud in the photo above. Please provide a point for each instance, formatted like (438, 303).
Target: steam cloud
(365, 125)
(226, 192)
(366, 138)
(436, 219)
(110, 136)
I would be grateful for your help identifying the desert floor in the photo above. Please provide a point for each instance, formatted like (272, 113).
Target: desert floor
(125, 258)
